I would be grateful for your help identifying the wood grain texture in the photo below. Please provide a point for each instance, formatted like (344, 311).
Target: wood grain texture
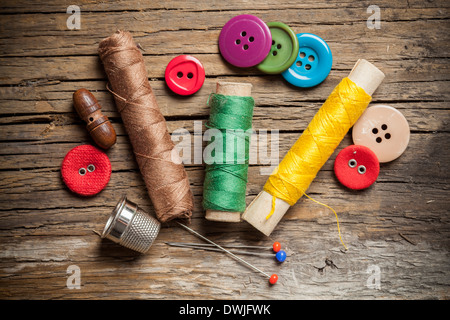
(399, 225)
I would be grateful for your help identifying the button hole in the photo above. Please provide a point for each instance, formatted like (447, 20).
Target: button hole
(245, 46)
(190, 75)
(91, 168)
(91, 119)
(311, 58)
(279, 46)
(362, 169)
(179, 74)
(383, 126)
(274, 53)
(243, 33)
(251, 39)
(374, 130)
(302, 55)
(238, 41)
(82, 171)
(387, 135)
(307, 66)
(273, 42)
(298, 63)
(379, 140)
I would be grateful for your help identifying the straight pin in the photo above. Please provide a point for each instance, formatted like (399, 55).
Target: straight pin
(210, 247)
(280, 255)
(272, 279)
(234, 246)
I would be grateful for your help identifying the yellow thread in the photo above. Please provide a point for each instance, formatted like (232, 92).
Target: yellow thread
(337, 220)
(297, 170)
(323, 204)
(273, 208)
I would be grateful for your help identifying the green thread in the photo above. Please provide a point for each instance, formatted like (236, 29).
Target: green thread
(224, 187)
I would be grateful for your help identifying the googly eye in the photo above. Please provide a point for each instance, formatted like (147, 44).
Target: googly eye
(352, 163)
(82, 171)
(90, 167)
(361, 169)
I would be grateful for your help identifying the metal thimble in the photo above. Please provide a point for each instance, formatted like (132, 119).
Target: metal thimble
(131, 227)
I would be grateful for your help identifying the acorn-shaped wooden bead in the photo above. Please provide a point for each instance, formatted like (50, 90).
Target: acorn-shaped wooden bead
(98, 125)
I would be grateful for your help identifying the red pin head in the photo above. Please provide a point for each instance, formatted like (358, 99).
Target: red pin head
(276, 246)
(273, 279)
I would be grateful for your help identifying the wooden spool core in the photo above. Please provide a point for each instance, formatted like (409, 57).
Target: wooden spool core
(365, 75)
(229, 89)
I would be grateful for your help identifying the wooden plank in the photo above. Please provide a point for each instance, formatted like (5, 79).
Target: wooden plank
(22, 6)
(32, 146)
(49, 100)
(68, 127)
(44, 181)
(178, 32)
(78, 68)
(43, 260)
(430, 116)
(399, 226)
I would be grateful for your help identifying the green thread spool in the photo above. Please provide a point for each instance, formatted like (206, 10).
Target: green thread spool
(225, 183)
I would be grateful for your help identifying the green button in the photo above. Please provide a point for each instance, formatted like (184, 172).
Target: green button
(284, 49)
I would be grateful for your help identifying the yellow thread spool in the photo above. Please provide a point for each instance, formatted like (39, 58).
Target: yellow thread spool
(329, 126)
(306, 157)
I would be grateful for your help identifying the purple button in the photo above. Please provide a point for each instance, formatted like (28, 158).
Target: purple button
(245, 41)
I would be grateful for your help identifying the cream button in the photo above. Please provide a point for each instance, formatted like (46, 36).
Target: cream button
(384, 130)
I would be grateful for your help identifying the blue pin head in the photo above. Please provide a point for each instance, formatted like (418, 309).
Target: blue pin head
(281, 256)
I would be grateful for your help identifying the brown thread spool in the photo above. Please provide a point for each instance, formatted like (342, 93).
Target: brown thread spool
(98, 125)
(163, 171)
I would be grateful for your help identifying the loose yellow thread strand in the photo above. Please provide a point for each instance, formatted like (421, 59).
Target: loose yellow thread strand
(335, 214)
(273, 208)
(297, 170)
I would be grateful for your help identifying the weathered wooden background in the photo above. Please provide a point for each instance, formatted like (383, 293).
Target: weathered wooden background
(398, 230)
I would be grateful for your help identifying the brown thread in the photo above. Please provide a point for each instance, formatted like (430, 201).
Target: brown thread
(166, 181)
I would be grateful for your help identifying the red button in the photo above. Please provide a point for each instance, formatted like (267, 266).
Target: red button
(86, 170)
(185, 75)
(356, 167)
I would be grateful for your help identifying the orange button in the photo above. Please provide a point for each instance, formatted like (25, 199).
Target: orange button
(384, 130)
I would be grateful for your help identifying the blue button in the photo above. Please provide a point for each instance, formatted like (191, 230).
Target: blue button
(313, 63)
